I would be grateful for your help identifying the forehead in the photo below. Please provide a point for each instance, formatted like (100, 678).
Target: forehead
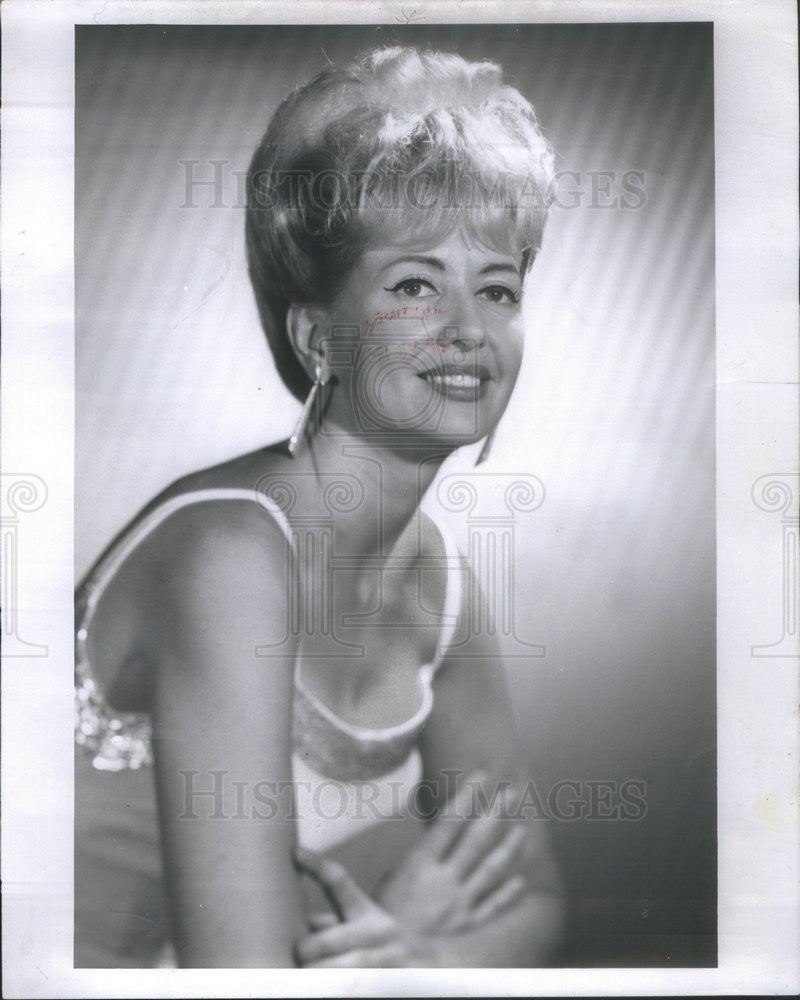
(458, 250)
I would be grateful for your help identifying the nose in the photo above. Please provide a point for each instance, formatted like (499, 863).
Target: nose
(464, 327)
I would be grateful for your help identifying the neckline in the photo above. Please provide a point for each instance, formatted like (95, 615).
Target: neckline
(425, 674)
(368, 732)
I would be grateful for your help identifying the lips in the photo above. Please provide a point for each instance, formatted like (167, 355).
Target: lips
(454, 381)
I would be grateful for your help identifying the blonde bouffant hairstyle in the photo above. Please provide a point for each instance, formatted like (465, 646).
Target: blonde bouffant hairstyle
(400, 145)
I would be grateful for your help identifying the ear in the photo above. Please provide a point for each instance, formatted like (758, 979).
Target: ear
(307, 328)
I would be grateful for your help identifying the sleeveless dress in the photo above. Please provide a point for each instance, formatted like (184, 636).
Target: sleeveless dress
(341, 808)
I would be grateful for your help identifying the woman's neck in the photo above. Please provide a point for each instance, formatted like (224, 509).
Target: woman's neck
(372, 489)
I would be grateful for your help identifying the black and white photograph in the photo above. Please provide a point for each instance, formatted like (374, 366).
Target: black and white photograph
(428, 208)
(399, 399)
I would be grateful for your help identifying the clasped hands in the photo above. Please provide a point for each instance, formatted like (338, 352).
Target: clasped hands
(463, 872)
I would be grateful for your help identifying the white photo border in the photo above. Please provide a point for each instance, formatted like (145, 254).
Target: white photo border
(757, 370)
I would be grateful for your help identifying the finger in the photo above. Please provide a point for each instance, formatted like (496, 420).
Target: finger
(501, 899)
(341, 939)
(482, 833)
(369, 958)
(497, 865)
(446, 829)
(321, 921)
(348, 899)
(477, 840)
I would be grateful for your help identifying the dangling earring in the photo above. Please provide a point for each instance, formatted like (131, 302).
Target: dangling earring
(305, 414)
(486, 449)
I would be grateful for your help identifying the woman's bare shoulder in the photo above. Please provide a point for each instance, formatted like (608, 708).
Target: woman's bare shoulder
(244, 472)
(224, 500)
(220, 531)
(218, 582)
(207, 539)
(198, 497)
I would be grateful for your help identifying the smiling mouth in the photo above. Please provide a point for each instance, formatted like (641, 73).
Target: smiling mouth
(453, 381)
(457, 383)
(447, 375)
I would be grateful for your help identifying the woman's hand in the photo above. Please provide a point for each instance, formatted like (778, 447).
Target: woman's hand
(464, 870)
(462, 874)
(361, 934)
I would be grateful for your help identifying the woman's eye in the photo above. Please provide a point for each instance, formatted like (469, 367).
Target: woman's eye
(413, 288)
(500, 294)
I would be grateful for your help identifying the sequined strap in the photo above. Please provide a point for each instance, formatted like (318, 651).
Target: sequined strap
(116, 740)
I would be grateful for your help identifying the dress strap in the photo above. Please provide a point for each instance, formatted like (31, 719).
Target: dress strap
(119, 551)
(452, 598)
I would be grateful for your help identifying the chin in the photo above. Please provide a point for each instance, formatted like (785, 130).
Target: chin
(438, 439)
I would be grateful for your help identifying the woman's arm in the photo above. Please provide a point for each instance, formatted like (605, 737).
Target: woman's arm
(222, 737)
(472, 730)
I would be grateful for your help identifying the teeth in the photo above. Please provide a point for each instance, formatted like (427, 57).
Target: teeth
(465, 381)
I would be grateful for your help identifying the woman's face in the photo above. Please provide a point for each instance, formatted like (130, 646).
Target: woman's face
(426, 342)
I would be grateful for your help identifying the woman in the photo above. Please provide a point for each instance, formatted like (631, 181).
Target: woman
(334, 778)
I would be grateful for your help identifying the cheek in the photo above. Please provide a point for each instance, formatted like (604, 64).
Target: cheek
(382, 390)
(508, 339)
(406, 322)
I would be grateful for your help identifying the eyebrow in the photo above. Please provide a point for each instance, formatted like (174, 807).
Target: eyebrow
(490, 268)
(435, 262)
(417, 259)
